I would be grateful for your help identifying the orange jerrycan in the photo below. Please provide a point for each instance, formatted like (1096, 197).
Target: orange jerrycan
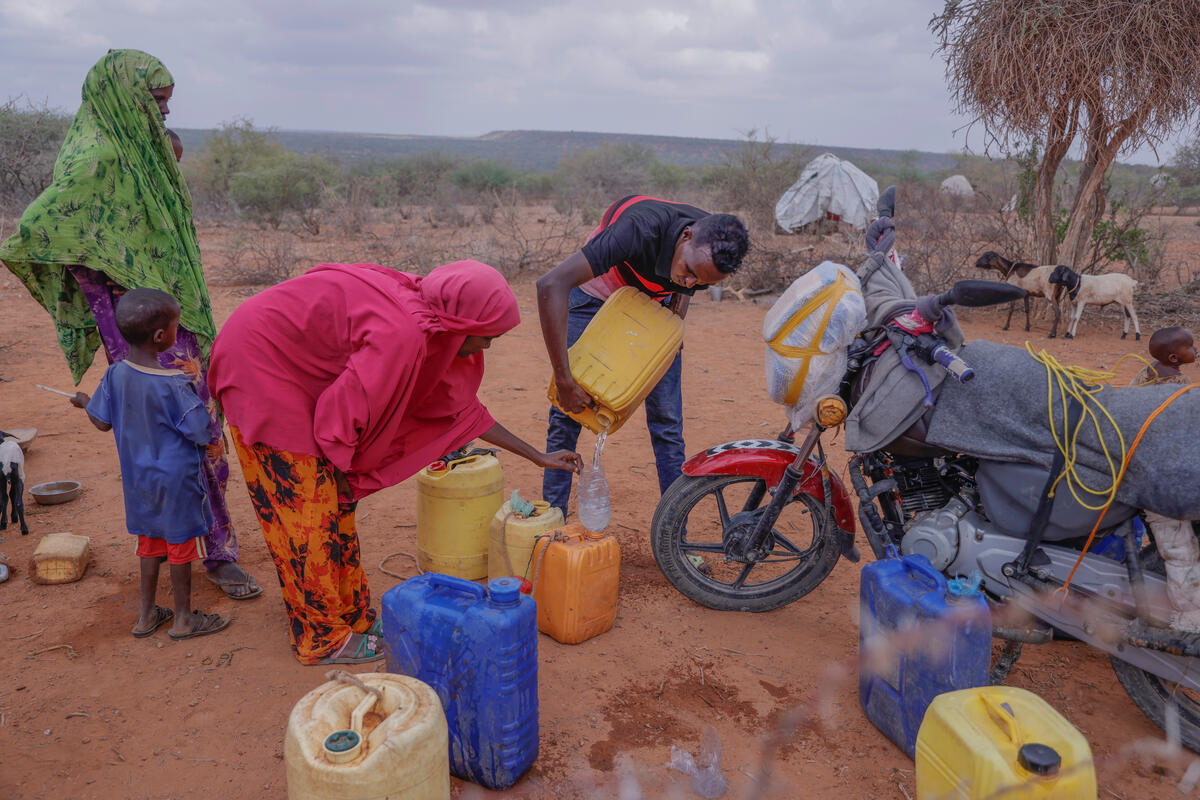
(576, 575)
(1001, 741)
(623, 353)
(456, 501)
(511, 538)
(347, 743)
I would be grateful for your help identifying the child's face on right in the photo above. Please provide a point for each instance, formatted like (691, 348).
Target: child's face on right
(1184, 351)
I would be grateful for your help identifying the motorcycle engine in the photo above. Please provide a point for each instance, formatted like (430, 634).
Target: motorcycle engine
(931, 509)
(934, 534)
(920, 485)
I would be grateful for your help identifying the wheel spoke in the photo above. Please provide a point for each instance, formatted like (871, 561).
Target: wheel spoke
(715, 547)
(720, 493)
(755, 498)
(741, 579)
(780, 539)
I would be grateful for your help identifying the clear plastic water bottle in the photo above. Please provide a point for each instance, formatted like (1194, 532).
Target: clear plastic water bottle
(595, 510)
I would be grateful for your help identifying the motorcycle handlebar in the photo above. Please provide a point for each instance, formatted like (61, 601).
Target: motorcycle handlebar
(960, 369)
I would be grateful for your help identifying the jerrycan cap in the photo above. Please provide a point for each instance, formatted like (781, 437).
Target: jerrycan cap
(342, 745)
(504, 591)
(1040, 759)
(964, 588)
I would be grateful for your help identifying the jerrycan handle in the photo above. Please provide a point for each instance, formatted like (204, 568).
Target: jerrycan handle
(343, 746)
(1003, 715)
(460, 585)
(917, 565)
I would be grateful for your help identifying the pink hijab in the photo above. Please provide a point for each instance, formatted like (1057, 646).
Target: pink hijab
(360, 364)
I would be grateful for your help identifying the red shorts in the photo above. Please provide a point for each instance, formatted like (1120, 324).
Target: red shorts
(182, 553)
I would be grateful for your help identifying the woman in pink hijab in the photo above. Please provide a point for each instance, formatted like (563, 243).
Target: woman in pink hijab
(347, 379)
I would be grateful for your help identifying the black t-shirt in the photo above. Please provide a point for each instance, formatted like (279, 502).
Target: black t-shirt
(636, 242)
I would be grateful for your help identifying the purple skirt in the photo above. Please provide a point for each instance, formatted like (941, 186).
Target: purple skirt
(102, 295)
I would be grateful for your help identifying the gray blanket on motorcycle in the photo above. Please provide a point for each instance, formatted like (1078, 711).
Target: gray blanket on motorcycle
(893, 399)
(1003, 415)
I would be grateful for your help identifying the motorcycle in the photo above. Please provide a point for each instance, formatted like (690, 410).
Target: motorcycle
(755, 524)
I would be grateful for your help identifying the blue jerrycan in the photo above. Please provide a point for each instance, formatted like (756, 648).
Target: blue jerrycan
(477, 648)
(919, 636)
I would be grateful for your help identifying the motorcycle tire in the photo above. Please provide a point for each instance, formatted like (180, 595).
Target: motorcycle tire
(667, 540)
(1152, 694)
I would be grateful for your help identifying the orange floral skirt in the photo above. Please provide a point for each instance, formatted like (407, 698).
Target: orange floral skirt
(314, 543)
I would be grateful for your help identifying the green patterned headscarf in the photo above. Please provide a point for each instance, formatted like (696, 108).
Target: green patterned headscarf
(118, 204)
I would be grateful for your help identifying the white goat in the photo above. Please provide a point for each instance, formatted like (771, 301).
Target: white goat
(1098, 290)
(1033, 279)
(12, 482)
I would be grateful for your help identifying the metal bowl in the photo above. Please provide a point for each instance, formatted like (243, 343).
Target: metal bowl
(55, 492)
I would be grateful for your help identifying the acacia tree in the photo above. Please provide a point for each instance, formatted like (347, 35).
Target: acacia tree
(1114, 74)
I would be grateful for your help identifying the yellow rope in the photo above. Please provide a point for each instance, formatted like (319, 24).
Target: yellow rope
(1081, 384)
(1062, 590)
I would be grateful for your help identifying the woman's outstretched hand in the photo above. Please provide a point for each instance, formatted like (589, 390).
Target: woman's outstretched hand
(561, 459)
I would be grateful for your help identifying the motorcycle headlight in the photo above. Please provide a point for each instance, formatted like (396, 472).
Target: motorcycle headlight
(830, 411)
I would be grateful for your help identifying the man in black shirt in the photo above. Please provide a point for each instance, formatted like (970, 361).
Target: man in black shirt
(666, 250)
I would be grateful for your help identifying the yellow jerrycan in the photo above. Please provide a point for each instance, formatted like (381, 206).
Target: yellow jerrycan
(623, 353)
(456, 501)
(513, 533)
(390, 740)
(994, 741)
(575, 583)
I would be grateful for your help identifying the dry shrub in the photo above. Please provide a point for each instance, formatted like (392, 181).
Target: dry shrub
(754, 175)
(532, 240)
(350, 207)
(258, 259)
(936, 234)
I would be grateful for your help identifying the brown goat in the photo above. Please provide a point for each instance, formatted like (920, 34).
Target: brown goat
(1033, 279)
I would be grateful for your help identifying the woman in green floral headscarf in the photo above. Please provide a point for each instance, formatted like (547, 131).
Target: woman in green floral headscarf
(118, 216)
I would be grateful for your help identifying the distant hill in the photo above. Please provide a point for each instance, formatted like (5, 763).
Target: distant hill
(541, 151)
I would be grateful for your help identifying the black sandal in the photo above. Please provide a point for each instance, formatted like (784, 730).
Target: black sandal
(203, 625)
(161, 616)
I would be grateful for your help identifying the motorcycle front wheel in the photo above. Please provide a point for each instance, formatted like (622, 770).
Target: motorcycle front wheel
(1154, 695)
(695, 518)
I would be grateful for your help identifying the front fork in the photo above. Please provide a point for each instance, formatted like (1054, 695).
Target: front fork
(759, 544)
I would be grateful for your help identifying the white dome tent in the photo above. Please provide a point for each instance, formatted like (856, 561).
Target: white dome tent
(828, 186)
(958, 186)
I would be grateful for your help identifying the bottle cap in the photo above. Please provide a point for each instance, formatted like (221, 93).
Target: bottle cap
(504, 591)
(342, 746)
(1040, 759)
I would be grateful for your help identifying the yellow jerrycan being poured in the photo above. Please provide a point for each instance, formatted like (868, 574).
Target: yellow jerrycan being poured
(347, 742)
(456, 500)
(1001, 741)
(623, 353)
(514, 529)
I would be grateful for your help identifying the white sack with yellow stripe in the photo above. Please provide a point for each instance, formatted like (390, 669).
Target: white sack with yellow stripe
(807, 331)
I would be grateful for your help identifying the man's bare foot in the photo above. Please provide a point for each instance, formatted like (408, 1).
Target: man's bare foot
(234, 581)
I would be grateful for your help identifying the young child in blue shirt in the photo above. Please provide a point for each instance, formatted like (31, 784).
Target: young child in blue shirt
(161, 428)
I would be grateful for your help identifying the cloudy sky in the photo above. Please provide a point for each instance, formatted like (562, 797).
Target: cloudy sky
(839, 72)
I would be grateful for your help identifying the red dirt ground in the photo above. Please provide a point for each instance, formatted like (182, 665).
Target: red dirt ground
(119, 717)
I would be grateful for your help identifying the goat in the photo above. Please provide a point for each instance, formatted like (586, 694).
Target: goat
(1033, 279)
(1098, 290)
(12, 482)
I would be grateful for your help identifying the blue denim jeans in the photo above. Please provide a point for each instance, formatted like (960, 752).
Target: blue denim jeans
(664, 416)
